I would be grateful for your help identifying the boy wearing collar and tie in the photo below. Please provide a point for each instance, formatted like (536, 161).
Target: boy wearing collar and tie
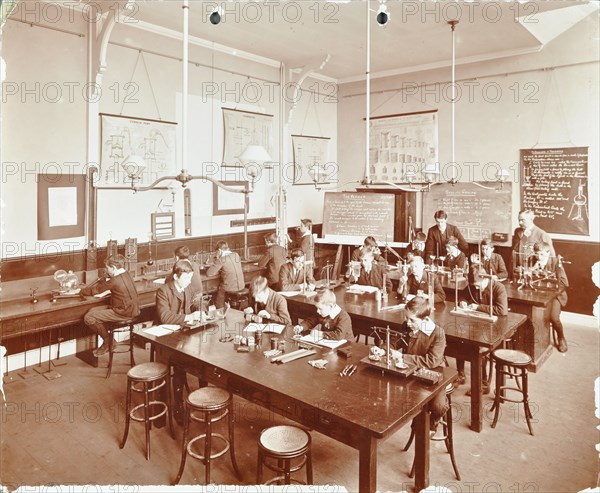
(454, 257)
(416, 281)
(296, 275)
(425, 349)
(549, 267)
(372, 273)
(175, 298)
(270, 306)
(335, 323)
(491, 262)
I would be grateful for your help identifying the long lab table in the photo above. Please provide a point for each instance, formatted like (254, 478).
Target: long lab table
(358, 411)
(466, 338)
(20, 317)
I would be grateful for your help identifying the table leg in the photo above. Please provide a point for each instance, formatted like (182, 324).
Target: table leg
(422, 450)
(476, 396)
(367, 465)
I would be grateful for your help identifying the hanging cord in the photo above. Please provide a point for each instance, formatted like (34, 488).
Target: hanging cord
(310, 104)
(141, 55)
(551, 83)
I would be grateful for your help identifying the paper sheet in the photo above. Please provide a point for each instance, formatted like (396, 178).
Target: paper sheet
(274, 328)
(102, 294)
(162, 330)
(289, 293)
(317, 337)
(361, 289)
(62, 206)
(162, 280)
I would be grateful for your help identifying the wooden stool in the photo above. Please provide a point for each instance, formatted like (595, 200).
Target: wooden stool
(511, 363)
(122, 327)
(284, 443)
(146, 374)
(208, 405)
(238, 299)
(447, 436)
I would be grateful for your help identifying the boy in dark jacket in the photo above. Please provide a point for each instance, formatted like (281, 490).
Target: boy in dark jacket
(124, 303)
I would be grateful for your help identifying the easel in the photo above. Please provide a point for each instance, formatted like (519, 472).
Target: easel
(351, 241)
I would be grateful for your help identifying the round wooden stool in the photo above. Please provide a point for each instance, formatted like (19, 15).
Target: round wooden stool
(238, 299)
(447, 436)
(144, 375)
(123, 327)
(284, 444)
(208, 405)
(512, 363)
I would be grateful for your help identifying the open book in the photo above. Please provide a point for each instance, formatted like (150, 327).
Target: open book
(318, 337)
(274, 328)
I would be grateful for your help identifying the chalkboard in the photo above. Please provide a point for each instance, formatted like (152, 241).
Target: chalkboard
(477, 211)
(554, 187)
(349, 217)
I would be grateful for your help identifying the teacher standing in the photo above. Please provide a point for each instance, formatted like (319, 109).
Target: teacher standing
(438, 236)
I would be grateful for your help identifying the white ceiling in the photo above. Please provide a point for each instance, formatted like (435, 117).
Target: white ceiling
(416, 37)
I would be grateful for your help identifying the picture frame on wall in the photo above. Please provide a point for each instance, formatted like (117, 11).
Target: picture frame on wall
(228, 203)
(311, 155)
(61, 206)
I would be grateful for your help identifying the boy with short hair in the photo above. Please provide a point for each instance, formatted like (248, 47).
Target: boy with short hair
(273, 259)
(335, 323)
(124, 303)
(228, 265)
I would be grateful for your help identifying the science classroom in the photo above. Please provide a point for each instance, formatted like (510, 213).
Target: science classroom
(338, 245)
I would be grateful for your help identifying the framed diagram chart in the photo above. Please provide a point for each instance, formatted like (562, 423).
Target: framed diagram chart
(309, 153)
(242, 128)
(153, 141)
(401, 143)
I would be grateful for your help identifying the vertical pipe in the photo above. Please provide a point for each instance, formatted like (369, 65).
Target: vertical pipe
(453, 26)
(368, 95)
(184, 95)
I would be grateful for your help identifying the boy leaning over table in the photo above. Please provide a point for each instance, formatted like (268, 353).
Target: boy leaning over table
(335, 323)
(124, 303)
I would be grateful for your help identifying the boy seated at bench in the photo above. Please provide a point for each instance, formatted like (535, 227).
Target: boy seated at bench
(334, 322)
(124, 304)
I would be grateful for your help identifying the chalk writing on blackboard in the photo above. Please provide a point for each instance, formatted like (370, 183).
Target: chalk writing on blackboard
(356, 215)
(478, 212)
(555, 188)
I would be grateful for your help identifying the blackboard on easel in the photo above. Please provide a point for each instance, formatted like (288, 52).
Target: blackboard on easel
(480, 210)
(555, 187)
(348, 217)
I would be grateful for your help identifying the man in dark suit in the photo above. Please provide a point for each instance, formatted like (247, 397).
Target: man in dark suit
(525, 237)
(175, 298)
(124, 302)
(438, 235)
(272, 260)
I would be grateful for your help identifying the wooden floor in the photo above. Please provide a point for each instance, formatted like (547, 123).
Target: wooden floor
(66, 431)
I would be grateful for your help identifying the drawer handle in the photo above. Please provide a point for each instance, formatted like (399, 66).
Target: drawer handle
(325, 420)
(216, 372)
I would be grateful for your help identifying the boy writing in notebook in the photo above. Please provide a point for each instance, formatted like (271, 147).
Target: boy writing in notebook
(334, 322)
(124, 304)
(176, 298)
